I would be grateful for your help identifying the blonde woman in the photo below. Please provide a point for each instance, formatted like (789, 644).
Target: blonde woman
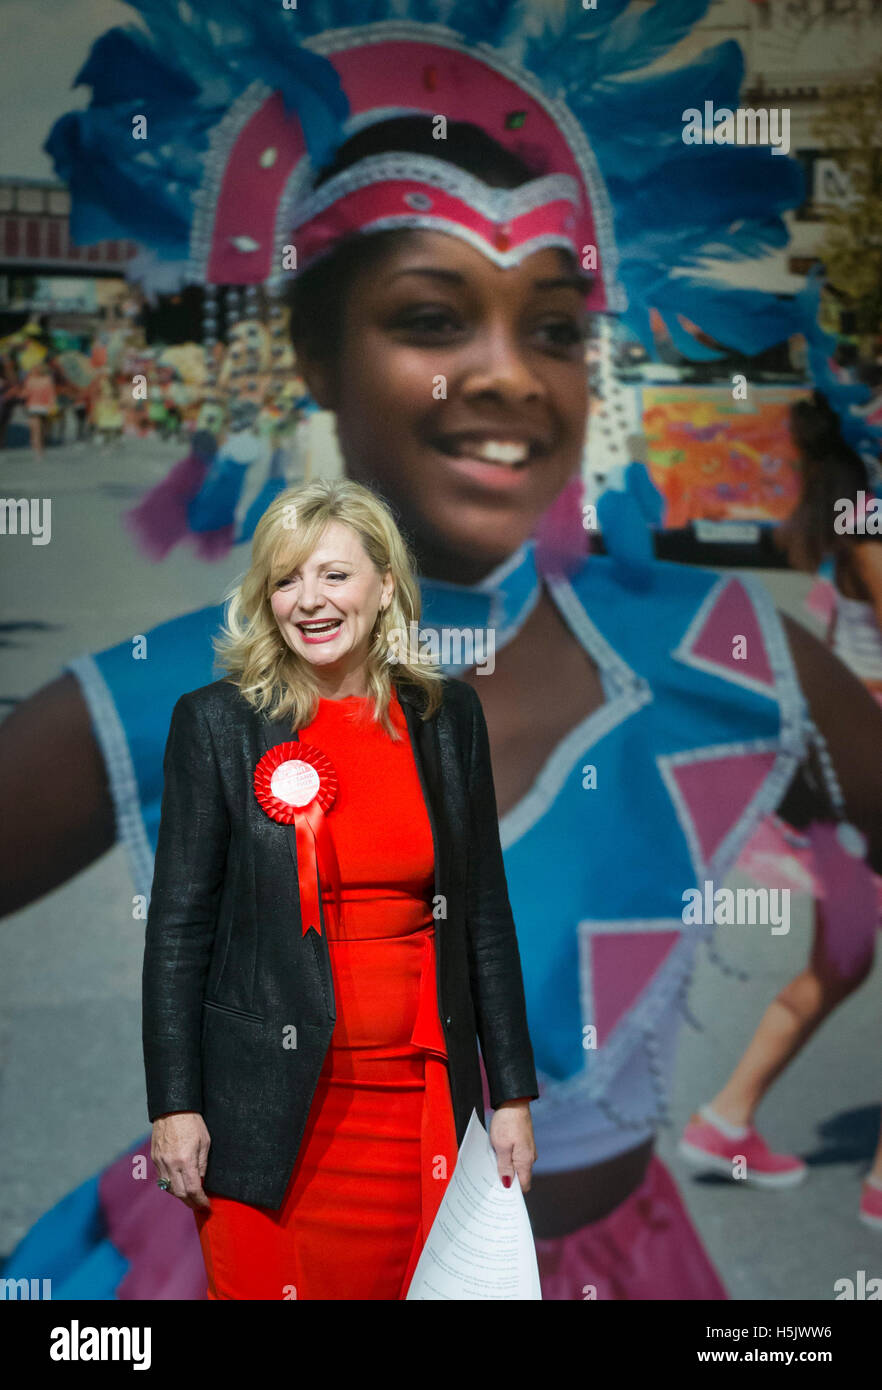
(329, 925)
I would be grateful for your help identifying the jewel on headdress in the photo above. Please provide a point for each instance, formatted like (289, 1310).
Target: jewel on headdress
(515, 120)
(268, 158)
(430, 79)
(420, 202)
(245, 243)
(502, 240)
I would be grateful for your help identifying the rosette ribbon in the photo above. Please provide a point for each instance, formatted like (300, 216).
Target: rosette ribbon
(296, 784)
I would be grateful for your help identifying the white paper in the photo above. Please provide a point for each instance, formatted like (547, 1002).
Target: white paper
(480, 1244)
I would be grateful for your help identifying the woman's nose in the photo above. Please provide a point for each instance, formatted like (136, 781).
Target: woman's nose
(501, 368)
(309, 594)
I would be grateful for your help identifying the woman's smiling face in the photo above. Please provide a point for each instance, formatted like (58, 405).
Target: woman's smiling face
(327, 607)
(460, 391)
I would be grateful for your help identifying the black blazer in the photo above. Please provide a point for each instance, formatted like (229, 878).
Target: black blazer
(227, 968)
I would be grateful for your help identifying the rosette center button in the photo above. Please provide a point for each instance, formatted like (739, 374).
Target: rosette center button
(295, 782)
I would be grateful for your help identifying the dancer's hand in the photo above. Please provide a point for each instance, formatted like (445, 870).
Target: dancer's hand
(511, 1134)
(179, 1149)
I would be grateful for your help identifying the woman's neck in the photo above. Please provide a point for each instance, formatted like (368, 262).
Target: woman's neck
(452, 567)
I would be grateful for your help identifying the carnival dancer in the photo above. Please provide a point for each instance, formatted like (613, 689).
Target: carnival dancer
(41, 403)
(452, 279)
(723, 1129)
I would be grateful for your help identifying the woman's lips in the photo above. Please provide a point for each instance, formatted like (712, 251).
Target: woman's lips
(492, 476)
(321, 635)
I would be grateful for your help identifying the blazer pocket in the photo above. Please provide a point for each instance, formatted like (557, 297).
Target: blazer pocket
(228, 1009)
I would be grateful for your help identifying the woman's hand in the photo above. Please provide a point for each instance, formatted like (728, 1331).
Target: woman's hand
(179, 1149)
(511, 1134)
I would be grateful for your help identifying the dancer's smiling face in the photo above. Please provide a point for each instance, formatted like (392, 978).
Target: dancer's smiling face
(460, 391)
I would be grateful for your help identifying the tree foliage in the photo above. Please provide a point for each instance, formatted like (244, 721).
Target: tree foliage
(850, 125)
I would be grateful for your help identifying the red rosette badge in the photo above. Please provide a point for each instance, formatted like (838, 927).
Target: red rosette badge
(296, 784)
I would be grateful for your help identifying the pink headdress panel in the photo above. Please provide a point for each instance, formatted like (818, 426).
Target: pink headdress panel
(257, 197)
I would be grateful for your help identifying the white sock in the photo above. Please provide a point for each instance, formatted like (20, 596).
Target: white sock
(730, 1131)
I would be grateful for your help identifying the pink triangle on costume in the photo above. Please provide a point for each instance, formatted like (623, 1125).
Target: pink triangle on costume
(717, 792)
(622, 964)
(733, 615)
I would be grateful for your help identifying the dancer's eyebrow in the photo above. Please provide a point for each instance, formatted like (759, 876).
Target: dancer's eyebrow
(581, 283)
(436, 272)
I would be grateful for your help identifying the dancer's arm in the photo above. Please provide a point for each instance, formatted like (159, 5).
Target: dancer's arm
(56, 806)
(851, 723)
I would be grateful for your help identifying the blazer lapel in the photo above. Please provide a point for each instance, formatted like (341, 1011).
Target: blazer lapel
(424, 743)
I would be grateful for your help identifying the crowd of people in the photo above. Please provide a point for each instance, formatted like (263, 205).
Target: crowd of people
(105, 388)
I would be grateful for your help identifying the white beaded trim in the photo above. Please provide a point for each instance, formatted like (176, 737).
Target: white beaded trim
(224, 135)
(385, 31)
(634, 693)
(660, 993)
(828, 772)
(423, 222)
(496, 204)
(221, 141)
(504, 625)
(117, 757)
(766, 798)
(669, 985)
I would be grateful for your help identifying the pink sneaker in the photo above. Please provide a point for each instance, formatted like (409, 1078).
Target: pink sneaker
(871, 1206)
(704, 1145)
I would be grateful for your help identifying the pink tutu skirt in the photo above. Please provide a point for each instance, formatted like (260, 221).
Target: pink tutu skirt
(647, 1248)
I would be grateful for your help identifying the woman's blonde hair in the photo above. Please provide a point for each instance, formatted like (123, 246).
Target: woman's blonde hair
(250, 646)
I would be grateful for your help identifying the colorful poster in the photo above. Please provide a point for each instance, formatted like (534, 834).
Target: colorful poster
(718, 459)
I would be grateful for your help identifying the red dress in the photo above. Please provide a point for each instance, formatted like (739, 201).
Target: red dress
(380, 1141)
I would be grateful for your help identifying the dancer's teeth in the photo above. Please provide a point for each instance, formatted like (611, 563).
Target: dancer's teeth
(509, 452)
(320, 627)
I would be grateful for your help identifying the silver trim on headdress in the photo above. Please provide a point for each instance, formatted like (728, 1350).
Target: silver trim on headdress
(225, 135)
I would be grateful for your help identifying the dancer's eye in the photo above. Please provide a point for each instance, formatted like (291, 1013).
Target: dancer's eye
(563, 334)
(430, 322)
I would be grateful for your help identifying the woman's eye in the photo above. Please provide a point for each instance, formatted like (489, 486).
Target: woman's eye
(292, 579)
(428, 322)
(563, 333)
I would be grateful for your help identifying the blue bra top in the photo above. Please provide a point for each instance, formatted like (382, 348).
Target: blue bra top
(652, 794)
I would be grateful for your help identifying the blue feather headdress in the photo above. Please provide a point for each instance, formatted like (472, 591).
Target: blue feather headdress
(677, 209)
